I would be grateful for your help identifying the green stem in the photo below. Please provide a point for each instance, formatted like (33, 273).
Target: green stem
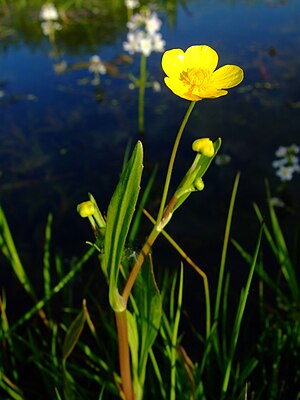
(225, 247)
(124, 357)
(139, 262)
(142, 85)
(172, 160)
(175, 337)
(163, 215)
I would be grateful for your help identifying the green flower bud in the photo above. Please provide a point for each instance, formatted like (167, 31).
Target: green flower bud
(204, 146)
(199, 184)
(86, 209)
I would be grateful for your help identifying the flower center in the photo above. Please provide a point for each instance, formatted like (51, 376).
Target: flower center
(196, 77)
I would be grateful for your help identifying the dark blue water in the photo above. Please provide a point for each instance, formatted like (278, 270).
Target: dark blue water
(62, 137)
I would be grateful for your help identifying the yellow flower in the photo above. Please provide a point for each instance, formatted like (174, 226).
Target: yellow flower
(192, 74)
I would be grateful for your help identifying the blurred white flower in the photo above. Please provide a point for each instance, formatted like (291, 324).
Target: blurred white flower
(96, 65)
(156, 86)
(222, 159)
(152, 23)
(49, 27)
(146, 46)
(49, 12)
(143, 36)
(284, 151)
(131, 4)
(132, 45)
(277, 202)
(279, 163)
(158, 42)
(60, 67)
(285, 173)
(131, 86)
(136, 21)
(288, 163)
(281, 151)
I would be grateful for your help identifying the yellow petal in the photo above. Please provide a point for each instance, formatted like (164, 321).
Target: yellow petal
(172, 62)
(208, 93)
(201, 57)
(227, 76)
(178, 88)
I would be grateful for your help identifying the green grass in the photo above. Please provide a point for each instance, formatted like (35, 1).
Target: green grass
(70, 352)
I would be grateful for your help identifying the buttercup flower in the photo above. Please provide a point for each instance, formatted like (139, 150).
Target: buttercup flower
(192, 74)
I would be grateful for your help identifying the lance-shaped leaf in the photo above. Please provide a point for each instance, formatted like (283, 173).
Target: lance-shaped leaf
(74, 332)
(119, 216)
(70, 342)
(148, 309)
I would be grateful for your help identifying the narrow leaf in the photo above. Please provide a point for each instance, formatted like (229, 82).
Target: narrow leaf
(74, 333)
(119, 216)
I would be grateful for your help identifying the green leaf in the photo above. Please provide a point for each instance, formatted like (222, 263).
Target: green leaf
(68, 384)
(138, 215)
(74, 332)
(133, 339)
(284, 259)
(10, 388)
(8, 248)
(148, 300)
(119, 216)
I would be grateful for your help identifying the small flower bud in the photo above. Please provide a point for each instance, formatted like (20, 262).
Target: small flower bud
(86, 209)
(199, 184)
(204, 146)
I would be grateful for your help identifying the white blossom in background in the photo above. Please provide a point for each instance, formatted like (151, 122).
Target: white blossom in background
(48, 27)
(222, 159)
(287, 163)
(132, 4)
(156, 86)
(132, 45)
(49, 17)
(284, 151)
(158, 43)
(143, 36)
(60, 67)
(136, 21)
(285, 173)
(277, 202)
(96, 65)
(279, 163)
(146, 46)
(152, 23)
(49, 12)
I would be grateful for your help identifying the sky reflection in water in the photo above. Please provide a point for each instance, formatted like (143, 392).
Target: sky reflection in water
(62, 137)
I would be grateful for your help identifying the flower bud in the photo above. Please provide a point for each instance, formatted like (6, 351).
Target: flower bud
(204, 146)
(86, 209)
(199, 184)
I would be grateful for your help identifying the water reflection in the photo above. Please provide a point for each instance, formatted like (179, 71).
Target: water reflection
(64, 128)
